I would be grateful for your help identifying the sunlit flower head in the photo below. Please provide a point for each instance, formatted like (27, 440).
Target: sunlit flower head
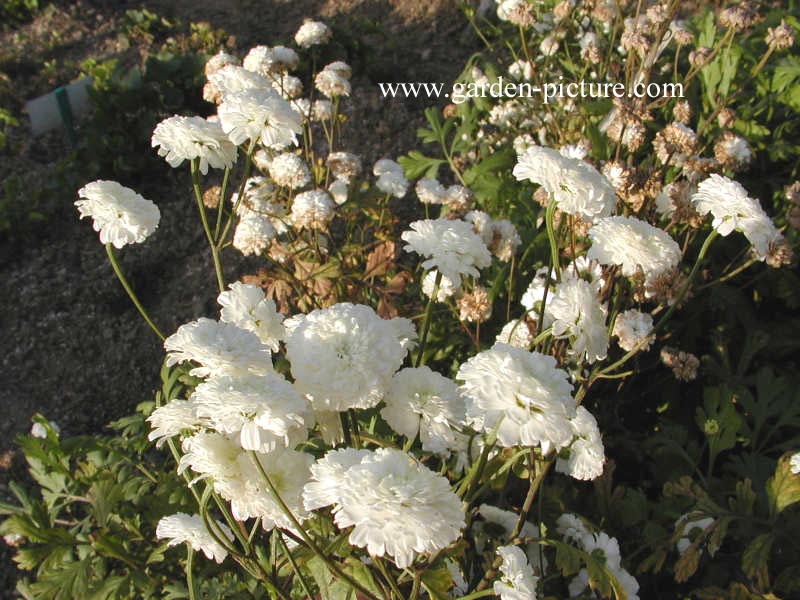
(633, 327)
(232, 78)
(390, 178)
(180, 528)
(245, 305)
(575, 186)
(633, 244)
(450, 246)
(218, 348)
(265, 411)
(334, 80)
(574, 312)
(585, 457)
(289, 170)
(269, 61)
(396, 506)
(446, 287)
(253, 234)
(523, 393)
(421, 401)
(517, 581)
(312, 33)
(344, 356)
(734, 210)
(313, 209)
(173, 418)
(188, 138)
(259, 115)
(430, 191)
(119, 214)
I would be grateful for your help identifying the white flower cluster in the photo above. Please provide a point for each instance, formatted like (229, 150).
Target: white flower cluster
(500, 235)
(575, 313)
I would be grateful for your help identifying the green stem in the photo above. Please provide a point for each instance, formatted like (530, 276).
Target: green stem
(221, 205)
(480, 594)
(190, 583)
(129, 290)
(245, 175)
(551, 237)
(295, 568)
(533, 487)
(427, 324)
(209, 236)
(389, 579)
(415, 587)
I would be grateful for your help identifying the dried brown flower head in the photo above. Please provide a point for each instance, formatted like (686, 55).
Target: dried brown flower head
(684, 365)
(474, 306)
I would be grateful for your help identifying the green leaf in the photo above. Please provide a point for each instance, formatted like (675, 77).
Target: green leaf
(437, 582)
(755, 557)
(783, 488)
(67, 583)
(415, 164)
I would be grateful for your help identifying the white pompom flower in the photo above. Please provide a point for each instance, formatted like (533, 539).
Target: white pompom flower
(344, 356)
(734, 210)
(264, 410)
(180, 528)
(574, 312)
(253, 234)
(312, 33)
(313, 209)
(119, 214)
(633, 244)
(521, 393)
(232, 79)
(446, 287)
(334, 80)
(245, 305)
(174, 418)
(188, 138)
(234, 475)
(289, 170)
(396, 506)
(390, 178)
(269, 61)
(430, 191)
(256, 114)
(450, 246)
(218, 348)
(632, 328)
(586, 455)
(575, 186)
(517, 581)
(516, 333)
(421, 401)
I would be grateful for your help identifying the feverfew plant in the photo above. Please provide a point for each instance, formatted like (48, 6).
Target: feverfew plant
(394, 406)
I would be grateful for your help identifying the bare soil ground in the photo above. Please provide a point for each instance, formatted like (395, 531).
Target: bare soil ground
(73, 346)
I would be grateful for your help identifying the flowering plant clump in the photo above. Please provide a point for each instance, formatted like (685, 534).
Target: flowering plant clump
(454, 416)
